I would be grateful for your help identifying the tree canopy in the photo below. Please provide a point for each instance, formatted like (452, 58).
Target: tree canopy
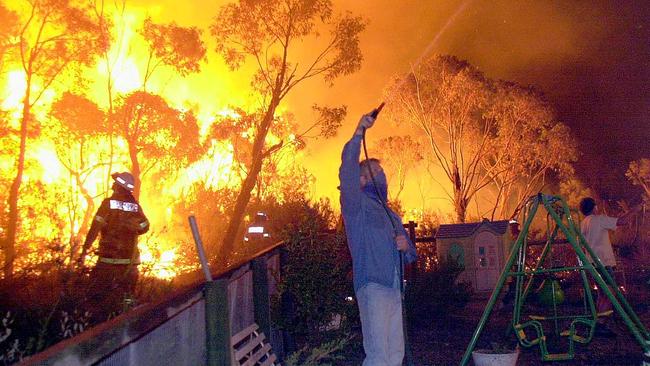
(484, 135)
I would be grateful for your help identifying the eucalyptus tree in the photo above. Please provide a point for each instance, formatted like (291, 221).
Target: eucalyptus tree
(288, 42)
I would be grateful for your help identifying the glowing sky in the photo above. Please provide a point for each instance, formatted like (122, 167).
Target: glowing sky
(590, 58)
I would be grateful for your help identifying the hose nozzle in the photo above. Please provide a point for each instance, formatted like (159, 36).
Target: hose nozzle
(375, 112)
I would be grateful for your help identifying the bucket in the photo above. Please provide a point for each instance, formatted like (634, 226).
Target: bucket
(489, 358)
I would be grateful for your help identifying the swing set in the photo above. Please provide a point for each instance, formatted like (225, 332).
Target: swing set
(576, 326)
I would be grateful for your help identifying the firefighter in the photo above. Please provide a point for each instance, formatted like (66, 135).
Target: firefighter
(120, 220)
(258, 229)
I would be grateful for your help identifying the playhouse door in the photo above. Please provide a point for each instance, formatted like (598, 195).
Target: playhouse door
(487, 264)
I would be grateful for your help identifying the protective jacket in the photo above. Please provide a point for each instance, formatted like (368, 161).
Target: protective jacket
(369, 231)
(120, 220)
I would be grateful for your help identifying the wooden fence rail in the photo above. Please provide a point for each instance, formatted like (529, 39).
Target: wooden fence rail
(191, 326)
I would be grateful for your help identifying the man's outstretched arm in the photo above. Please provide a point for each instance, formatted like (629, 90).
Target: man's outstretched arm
(349, 171)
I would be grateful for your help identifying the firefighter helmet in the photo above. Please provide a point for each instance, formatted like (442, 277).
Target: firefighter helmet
(125, 180)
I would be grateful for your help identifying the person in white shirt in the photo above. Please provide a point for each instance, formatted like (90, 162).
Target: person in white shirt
(595, 228)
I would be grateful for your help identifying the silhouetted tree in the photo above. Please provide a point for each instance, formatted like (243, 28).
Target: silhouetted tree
(174, 46)
(157, 135)
(75, 140)
(268, 31)
(9, 29)
(106, 19)
(56, 35)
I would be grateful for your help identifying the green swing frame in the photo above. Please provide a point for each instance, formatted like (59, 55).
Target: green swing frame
(560, 214)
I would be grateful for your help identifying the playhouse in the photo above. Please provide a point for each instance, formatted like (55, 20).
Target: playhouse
(482, 248)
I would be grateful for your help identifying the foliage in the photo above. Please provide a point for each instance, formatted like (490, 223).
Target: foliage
(327, 351)
(398, 155)
(638, 173)
(315, 281)
(82, 117)
(572, 189)
(157, 134)
(210, 208)
(501, 347)
(42, 311)
(431, 294)
(177, 47)
(527, 145)
(41, 308)
(9, 28)
(482, 134)
(268, 31)
(57, 37)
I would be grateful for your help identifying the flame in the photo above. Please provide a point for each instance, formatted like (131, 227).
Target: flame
(162, 267)
(52, 170)
(127, 62)
(128, 76)
(14, 91)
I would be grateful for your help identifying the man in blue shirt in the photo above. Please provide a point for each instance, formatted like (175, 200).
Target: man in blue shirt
(375, 247)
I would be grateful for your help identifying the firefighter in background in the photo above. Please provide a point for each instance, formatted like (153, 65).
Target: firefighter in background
(120, 220)
(258, 229)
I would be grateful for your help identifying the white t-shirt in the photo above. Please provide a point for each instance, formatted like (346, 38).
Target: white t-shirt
(595, 228)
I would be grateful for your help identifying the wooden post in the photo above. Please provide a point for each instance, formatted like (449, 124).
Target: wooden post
(413, 268)
(261, 303)
(217, 323)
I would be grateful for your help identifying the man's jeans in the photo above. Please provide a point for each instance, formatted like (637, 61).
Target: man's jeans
(380, 309)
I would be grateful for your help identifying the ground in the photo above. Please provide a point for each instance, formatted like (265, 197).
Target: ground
(444, 341)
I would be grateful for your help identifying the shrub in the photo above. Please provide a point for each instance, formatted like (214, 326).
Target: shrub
(433, 293)
(316, 276)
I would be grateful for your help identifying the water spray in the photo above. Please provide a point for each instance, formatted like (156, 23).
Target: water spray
(374, 114)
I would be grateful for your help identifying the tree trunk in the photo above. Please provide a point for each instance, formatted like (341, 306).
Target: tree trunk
(460, 207)
(110, 134)
(460, 202)
(12, 224)
(85, 223)
(135, 169)
(228, 243)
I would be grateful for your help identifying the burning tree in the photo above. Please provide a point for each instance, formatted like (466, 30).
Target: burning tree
(82, 125)
(157, 135)
(8, 33)
(174, 46)
(55, 36)
(281, 166)
(267, 32)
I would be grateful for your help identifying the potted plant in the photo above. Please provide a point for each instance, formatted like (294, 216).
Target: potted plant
(500, 354)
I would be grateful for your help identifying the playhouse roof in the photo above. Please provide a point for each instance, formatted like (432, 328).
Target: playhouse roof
(467, 229)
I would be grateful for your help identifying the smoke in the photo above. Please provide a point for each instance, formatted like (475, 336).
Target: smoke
(590, 58)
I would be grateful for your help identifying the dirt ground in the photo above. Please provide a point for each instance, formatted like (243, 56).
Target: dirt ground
(444, 341)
